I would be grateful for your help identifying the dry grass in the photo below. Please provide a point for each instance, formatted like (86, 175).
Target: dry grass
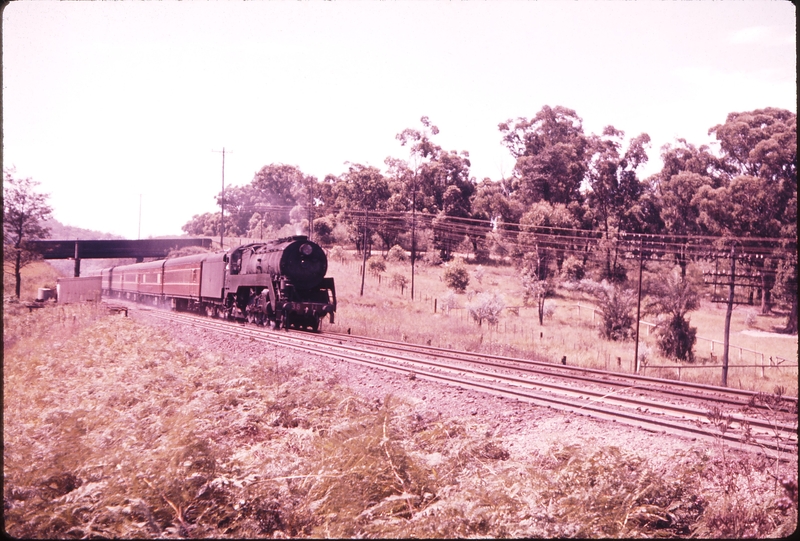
(383, 311)
(37, 274)
(114, 429)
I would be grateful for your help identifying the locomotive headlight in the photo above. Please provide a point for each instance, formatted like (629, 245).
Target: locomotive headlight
(306, 249)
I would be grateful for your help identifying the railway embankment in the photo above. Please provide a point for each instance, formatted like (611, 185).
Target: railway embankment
(130, 426)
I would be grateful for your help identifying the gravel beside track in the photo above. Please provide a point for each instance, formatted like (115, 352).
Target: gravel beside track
(524, 427)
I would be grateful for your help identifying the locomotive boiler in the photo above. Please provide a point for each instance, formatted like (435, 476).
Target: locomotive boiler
(280, 283)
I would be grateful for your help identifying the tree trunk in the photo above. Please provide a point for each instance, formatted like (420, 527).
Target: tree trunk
(682, 261)
(767, 281)
(541, 309)
(791, 323)
(17, 273)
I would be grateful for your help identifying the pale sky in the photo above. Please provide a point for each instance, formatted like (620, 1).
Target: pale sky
(104, 101)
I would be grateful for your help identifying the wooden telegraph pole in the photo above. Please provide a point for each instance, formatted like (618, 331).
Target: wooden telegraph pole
(638, 307)
(732, 280)
(222, 200)
(728, 313)
(364, 248)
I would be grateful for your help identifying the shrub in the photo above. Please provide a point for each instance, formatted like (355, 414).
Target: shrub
(487, 306)
(479, 272)
(456, 277)
(572, 269)
(337, 253)
(396, 254)
(676, 339)
(432, 258)
(673, 297)
(536, 290)
(616, 305)
(323, 230)
(399, 281)
(449, 302)
(376, 265)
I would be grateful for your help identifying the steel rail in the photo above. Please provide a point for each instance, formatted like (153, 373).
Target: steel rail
(614, 398)
(669, 386)
(511, 386)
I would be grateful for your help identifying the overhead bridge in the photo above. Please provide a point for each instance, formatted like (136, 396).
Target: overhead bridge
(111, 249)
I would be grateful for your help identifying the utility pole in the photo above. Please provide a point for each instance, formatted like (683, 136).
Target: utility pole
(638, 307)
(413, 231)
(139, 234)
(364, 247)
(222, 200)
(310, 209)
(728, 313)
(743, 280)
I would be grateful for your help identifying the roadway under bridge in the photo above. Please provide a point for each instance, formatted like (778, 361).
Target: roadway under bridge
(112, 249)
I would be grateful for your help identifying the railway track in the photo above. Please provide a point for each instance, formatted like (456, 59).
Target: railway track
(743, 419)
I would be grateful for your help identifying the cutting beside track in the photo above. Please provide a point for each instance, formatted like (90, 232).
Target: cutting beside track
(743, 419)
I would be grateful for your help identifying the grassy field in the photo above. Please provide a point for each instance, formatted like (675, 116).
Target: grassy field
(384, 310)
(34, 276)
(113, 428)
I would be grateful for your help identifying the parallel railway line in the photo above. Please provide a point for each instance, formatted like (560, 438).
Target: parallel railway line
(742, 419)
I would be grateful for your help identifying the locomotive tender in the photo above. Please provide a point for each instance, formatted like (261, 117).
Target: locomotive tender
(280, 283)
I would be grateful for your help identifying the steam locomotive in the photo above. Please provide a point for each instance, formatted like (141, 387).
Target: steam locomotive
(280, 283)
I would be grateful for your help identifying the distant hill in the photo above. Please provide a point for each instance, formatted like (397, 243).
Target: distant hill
(59, 231)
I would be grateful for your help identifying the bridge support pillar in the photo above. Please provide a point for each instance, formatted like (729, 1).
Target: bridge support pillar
(77, 261)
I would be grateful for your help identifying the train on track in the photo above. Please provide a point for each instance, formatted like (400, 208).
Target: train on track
(280, 283)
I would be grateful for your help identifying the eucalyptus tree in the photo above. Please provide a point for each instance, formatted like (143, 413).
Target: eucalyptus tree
(452, 191)
(362, 189)
(242, 202)
(278, 186)
(491, 204)
(758, 194)
(551, 152)
(686, 169)
(491, 201)
(208, 225)
(542, 230)
(24, 210)
(440, 184)
(616, 195)
(421, 149)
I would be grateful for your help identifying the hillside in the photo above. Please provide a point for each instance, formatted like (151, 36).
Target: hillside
(61, 231)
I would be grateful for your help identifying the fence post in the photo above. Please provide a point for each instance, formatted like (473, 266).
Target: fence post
(762, 367)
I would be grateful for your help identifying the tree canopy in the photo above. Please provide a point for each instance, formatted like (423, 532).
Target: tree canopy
(588, 186)
(24, 210)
